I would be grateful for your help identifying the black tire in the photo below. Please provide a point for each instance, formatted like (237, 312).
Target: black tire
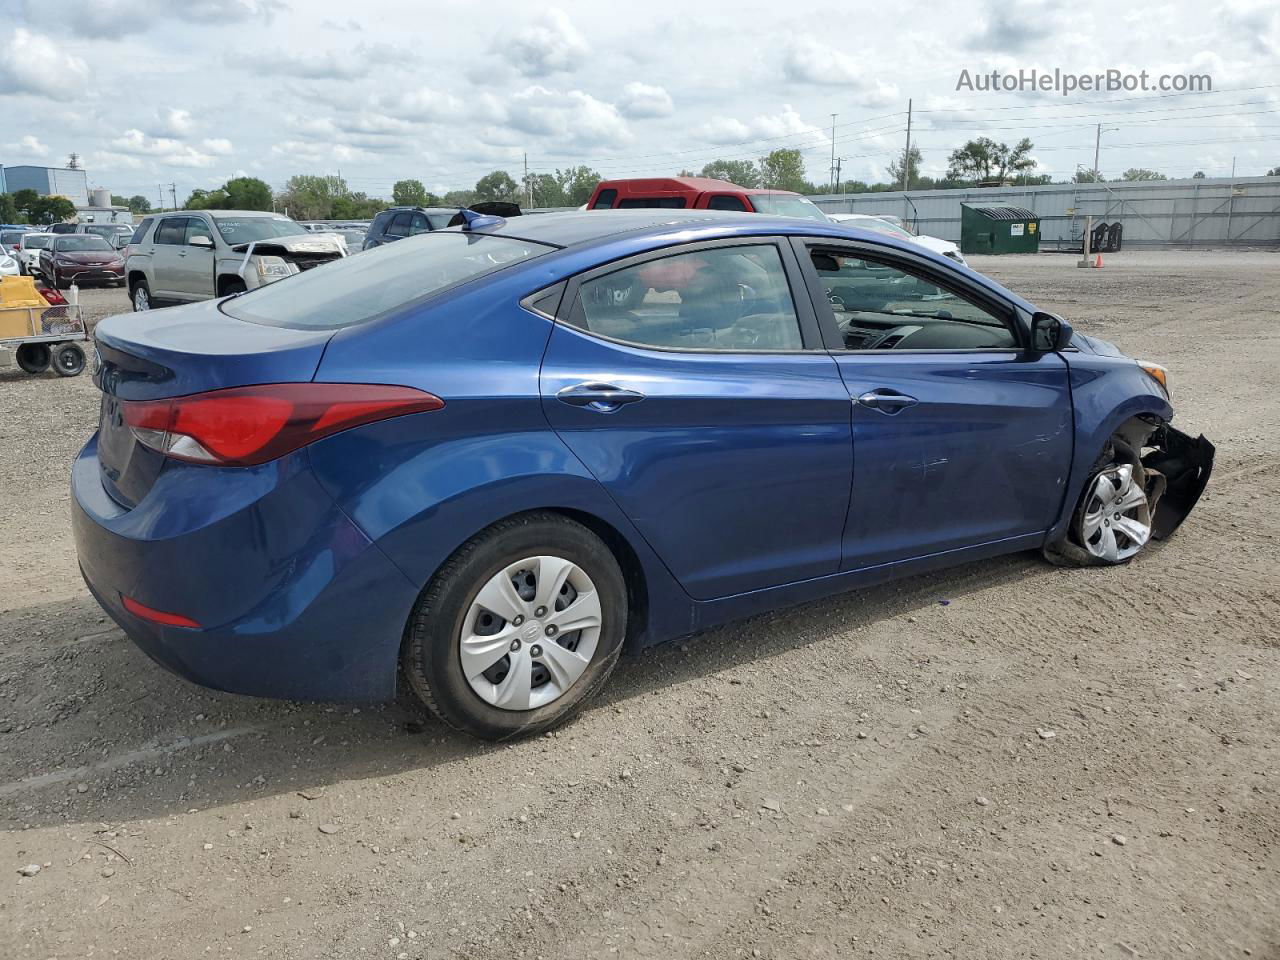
(1069, 551)
(34, 357)
(232, 287)
(68, 359)
(146, 293)
(430, 659)
(55, 281)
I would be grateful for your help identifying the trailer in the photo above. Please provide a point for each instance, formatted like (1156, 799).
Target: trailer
(41, 328)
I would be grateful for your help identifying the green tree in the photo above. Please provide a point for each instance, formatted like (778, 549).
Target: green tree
(1198, 175)
(247, 193)
(409, 193)
(544, 189)
(742, 172)
(783, 169)
(1274, 172)
(356, 206)
(52, 210)
(459, 198)
(984, 159)
(1142, 173)
(1086, 176)
(913, 160)
(497, 186)
(311, 197)
(8, 209)
(25, 201)
(577, 184)
(138, 204)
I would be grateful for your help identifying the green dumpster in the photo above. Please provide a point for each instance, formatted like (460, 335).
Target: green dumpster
(992, 228)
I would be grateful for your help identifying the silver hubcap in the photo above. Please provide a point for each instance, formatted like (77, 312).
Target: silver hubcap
(530, 632)
(140, 301)
(1117, 518)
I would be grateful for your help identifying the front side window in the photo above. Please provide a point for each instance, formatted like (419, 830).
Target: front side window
(439, 220)
(418, 225)
(722, 298)
(172, 231)
(605, 200)
(196, 227)
(356, 289)
(883, 307)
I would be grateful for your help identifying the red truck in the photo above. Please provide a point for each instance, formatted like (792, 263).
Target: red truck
(699, 193)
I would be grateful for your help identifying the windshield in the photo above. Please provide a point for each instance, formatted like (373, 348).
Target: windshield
(248, 229)
(878, 225)
(81, 244)
(10, 237)
(787, 205)
(356, 289)
(107, 229)
(35, 241)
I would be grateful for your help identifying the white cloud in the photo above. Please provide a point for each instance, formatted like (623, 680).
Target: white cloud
(422, 105)
(113, 19)
(325, 65)
(574, 117)
(176, 122)
(642, 100)
(301, 153)
(806, 60)
(218, 145)
(32, 63)
(28, 146)
(168, 151)
(550, 44)
(784, 124)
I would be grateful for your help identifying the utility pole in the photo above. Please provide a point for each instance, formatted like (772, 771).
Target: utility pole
(839, 162)
(160, 193)
(173, 192)
(906, 157)
(528, 184)
(1097, 144)
(831, 171)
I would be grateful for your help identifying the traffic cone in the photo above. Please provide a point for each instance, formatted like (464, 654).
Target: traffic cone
(1098, 262)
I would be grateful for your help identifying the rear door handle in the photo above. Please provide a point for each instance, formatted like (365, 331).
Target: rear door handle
(887, 401)
(600, 397)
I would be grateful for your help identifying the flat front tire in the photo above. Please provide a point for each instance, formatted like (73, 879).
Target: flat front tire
(518, 628)
(1112, 521)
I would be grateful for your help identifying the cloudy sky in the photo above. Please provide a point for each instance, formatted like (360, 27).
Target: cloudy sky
(196, 91)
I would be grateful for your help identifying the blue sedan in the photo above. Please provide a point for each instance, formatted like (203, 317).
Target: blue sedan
(495, 456)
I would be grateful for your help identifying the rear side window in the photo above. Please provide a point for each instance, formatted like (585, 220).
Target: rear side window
(726, 202)
(605, 200)
(734, 299)
(358, 289)
(141, 232)
(648, 203)
(172, 230)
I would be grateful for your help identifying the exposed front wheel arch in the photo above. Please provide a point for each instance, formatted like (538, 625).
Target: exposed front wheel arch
(227, 286)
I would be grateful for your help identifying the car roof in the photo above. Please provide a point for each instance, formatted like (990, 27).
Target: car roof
(227, 213)
(585, 226)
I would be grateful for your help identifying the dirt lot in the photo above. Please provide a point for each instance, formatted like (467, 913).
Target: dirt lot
(860, 776)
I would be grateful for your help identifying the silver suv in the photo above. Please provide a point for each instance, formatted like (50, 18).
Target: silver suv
(200, 254)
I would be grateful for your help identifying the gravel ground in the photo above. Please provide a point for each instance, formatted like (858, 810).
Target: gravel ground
(1056, 763)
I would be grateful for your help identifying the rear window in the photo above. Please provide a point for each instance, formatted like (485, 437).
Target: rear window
(646, 203)
(357, 289)
(605, 200)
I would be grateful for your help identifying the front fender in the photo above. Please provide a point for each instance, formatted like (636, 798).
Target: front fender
(1106, 392)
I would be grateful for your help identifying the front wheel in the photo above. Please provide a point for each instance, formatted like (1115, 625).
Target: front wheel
(518, 628)
(1112, 522)
(141, 297)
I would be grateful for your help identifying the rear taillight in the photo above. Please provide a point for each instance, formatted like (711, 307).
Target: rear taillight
(243, 426)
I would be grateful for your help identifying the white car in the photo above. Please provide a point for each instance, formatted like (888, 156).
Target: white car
(8, 266)
(865, 221)
(28, 253)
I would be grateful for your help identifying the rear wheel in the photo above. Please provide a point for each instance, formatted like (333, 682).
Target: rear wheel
(518, 628)
(34, 357)
(68, 359)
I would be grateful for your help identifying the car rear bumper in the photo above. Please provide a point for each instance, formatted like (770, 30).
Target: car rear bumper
(293, 601)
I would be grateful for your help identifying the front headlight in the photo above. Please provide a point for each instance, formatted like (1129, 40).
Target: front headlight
(273, 268)
(1157, 373)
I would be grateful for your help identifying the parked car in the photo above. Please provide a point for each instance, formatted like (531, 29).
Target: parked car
(201, 254)
(396, 223)
(462, 457)
(80, 259)
(28, 252)
(883, 225)
(11, 239)
(116, 234)
(699, 193)
(63, 228)
(9, 266)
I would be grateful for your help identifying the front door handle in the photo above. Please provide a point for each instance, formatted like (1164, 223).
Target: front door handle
(600, 397)
(887, 401)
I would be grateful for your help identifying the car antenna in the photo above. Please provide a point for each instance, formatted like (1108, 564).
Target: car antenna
(471, 220)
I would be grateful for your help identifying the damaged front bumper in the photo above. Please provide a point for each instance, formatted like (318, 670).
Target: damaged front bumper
(1185, 465)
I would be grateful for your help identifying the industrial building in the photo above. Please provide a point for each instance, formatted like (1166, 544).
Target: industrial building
(47, 181)
(1200, 212)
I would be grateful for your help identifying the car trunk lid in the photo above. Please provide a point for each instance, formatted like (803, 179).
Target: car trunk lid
(177, 352)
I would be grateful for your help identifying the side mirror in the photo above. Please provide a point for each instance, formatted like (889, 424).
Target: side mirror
(1049, 333)
(201, 241)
